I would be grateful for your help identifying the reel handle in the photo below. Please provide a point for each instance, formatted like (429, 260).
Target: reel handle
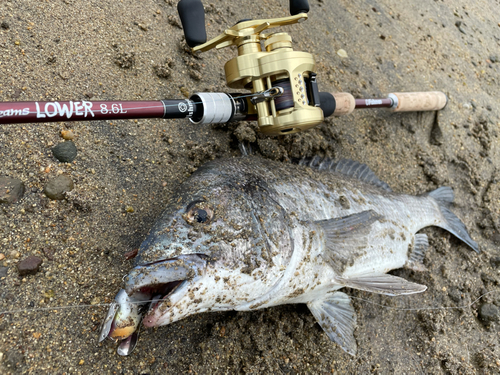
(298, 6)
(192, 16)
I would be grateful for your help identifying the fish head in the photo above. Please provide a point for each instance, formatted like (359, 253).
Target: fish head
(222, 242)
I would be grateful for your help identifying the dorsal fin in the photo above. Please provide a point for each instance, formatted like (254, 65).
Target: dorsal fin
(346, 167)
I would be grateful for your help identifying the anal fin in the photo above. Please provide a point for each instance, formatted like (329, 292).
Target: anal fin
(337, 317)
(420, 245)
(382, 284)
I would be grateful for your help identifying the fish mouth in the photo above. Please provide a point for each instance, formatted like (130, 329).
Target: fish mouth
(146, 288)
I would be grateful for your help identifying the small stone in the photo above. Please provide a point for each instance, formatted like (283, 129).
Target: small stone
(49, 253)
(11, 190)
(67, 134)
(184, 91)
(29, 266)
(49, 294)
(5, 25)
(494, 58)
(342, 53)
(2, 256)
(3, 271)
(65, 152)
(495, 262)
(56, 187)
(14, 254)
(489, 313)
(129, 209)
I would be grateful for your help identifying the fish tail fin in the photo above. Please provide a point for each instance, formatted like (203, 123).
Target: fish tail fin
(444, 197)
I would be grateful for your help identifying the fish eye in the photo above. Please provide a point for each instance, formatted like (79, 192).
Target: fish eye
(198, 212)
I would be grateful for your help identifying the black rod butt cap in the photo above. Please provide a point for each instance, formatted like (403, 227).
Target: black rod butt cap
(192, 16)
(298, 6)
(327, 103)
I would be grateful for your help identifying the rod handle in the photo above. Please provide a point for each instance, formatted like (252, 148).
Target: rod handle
(344, 103)
(418, 101)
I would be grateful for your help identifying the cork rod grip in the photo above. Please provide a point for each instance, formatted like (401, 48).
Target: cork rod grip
(344, 103)
(419, 101)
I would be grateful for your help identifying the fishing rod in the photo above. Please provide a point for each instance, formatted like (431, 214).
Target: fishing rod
(283, 99)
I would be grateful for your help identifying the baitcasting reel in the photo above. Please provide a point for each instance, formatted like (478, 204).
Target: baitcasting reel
(283, 83)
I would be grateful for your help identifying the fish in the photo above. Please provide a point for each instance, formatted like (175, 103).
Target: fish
(249, 233)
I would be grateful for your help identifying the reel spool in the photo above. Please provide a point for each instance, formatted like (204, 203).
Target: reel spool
(297, 107)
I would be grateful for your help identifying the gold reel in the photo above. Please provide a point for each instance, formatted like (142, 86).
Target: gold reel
(296, 106)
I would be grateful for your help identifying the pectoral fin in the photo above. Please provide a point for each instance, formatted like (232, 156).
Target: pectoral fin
(347, 237)
(337, 318)
(382, 284)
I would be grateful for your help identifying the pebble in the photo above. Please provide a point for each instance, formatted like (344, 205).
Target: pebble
(67, 134)
(494, 58)
(495, 262)
(14, 254)
(342, 53)
(65, 152)
(56, 187)
(29, 266)
(3, 271)
(11, 190)
(2, 256)
(489, 313)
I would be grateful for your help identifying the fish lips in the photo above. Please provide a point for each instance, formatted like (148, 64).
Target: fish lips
(166, 281)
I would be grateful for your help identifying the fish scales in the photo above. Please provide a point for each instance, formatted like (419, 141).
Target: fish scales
(259, 233)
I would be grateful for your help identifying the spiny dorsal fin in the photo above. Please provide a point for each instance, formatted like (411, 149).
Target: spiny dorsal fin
(346, 167)
(337, 317)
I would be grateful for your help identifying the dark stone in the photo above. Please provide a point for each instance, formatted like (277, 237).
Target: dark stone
(65, 152)
(495, 262)
(494, 58)
(489, 313)
(14, 360)
(5, 25)
(56, 187)
(49, 253)
(29, 266)
(11, 190)
(3, 271)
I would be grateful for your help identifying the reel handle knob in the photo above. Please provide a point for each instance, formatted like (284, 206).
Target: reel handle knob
(192, 16)
(298, 6)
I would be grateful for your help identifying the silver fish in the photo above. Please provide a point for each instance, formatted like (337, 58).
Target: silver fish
(248, 233)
